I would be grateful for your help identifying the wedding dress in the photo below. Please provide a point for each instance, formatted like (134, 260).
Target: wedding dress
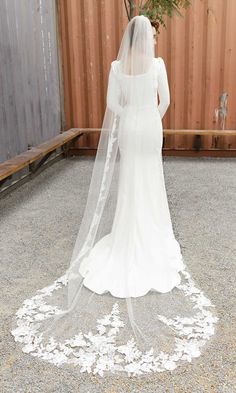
(127, 303)
(141, 251)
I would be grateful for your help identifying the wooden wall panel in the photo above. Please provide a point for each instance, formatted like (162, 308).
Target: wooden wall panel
(198, 49)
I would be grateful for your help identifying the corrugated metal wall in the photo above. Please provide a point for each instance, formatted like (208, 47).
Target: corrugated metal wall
(30, 110)
(199, 51)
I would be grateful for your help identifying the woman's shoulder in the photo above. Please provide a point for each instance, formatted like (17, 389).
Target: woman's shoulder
(115, 62)
(158, 63)
(159, 60)
(114, 65)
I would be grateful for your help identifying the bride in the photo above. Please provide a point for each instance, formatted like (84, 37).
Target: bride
(126, 304)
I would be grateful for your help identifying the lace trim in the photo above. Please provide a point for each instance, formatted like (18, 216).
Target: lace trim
(98, 353)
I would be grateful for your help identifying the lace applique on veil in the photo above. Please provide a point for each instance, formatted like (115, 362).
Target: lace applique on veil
(68, 324)
(97, 352)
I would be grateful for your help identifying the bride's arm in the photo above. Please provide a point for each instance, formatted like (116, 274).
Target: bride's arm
(113, 93)
(163, 89)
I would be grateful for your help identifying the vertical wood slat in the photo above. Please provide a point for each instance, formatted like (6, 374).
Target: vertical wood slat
(198, 51)
(29, 79)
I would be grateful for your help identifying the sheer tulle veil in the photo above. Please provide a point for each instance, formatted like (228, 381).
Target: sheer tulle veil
(136, 54)
(69, 323)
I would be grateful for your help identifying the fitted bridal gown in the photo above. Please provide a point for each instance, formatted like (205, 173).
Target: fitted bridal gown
(134, 281)
(141, 252)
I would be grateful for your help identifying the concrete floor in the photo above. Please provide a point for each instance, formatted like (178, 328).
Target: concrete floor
(39, 224)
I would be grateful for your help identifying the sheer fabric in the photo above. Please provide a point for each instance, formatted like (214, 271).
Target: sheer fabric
(127, 303)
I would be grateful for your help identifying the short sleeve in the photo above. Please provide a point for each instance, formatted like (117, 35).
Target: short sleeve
(163, 88)
(114, 92)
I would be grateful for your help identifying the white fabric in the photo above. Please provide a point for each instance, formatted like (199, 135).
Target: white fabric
(126, 304)
(141, 247)
(160, 85)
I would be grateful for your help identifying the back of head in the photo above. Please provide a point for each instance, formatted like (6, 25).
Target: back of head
(136, 50)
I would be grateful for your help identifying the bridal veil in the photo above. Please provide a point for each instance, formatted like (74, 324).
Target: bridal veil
(68, 323)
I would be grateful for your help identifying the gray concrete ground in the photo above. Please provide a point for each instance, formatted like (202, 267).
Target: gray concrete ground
(39, 224)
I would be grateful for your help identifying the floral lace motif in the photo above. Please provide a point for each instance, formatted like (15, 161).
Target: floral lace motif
(98, 353)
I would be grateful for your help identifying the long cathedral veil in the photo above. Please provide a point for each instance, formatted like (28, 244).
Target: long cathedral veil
(68, 323)
(135, 57)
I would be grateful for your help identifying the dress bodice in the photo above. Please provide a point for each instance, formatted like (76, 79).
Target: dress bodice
(144, 88)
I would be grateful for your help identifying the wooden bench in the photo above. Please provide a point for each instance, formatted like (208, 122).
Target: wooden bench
(41, 152)
(197, 148)
(181, 132)
(201, 132)
(65, 139)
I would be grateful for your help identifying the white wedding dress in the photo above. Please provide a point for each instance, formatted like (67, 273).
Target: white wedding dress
(134, 276)
(141, 252)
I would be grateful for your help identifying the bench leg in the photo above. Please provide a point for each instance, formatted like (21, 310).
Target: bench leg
(66, 146)
(4, 180)
(197, 142)
(33, 167)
